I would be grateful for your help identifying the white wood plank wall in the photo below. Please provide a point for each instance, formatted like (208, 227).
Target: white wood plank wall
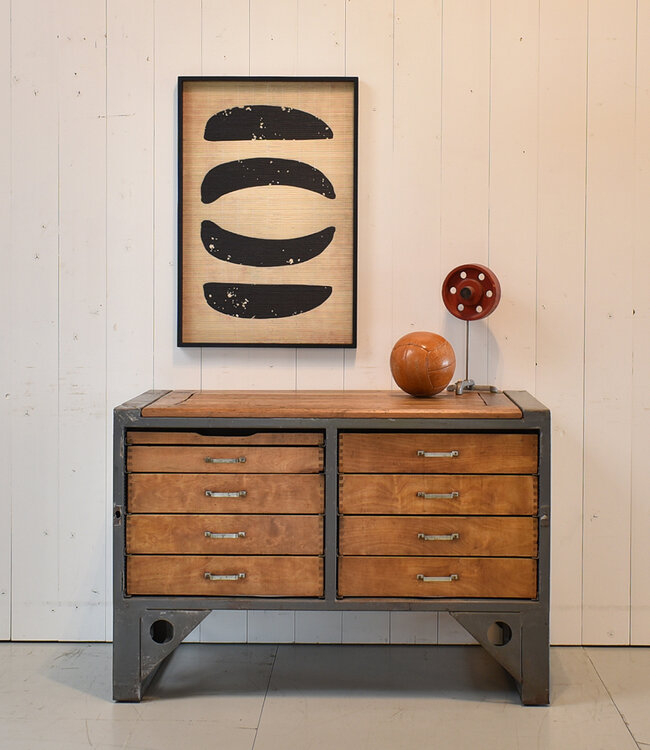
(510, 132)
(5, 312)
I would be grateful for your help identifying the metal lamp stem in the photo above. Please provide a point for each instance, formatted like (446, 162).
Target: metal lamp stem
(467, 350)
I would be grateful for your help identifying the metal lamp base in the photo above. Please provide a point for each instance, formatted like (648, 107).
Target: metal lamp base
(460, 386)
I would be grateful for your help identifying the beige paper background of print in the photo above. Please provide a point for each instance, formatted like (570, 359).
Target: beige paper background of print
(270, 212)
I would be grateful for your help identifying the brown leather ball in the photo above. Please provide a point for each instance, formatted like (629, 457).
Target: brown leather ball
(422, 363)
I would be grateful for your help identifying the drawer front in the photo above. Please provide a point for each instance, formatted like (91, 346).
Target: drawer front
(438, 453)
(225, 459)
(438, 535)
(224, 534)
(152, 437)
(226, 493)
(425, 494)
(185, 575)
(476, 577)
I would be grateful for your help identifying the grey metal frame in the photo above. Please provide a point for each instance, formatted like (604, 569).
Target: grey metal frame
(146, 629)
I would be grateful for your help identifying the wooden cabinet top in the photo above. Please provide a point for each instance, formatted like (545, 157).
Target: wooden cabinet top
(333, 404)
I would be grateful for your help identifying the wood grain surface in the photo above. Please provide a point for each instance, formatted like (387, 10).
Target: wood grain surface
(186, 534)
(273, 460)
(477, 494)
(488, 577)
(186, 493)
(478, 453)
(184, 575)
(481, 536)
(331, 404)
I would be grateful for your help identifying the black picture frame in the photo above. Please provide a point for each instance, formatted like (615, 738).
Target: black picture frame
(269, 252)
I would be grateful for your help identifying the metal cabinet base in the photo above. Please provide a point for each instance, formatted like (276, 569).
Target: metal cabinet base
(514, 631)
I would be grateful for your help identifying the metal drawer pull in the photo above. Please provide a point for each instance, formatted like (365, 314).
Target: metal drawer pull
(235, 577)
(237, 535)
(239, 460)
(438, 495)
(436, 579)
(448, 454)
(439, 537)
(241, 493)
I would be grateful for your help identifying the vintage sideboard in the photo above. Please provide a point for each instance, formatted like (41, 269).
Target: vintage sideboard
(331, 500)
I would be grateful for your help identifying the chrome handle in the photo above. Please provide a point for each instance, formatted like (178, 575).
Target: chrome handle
(237, 535)
(235, 577)
(439, 537)
(435, 579)
(241, 493)
(239, 460)
(438, 495)
(448, 454)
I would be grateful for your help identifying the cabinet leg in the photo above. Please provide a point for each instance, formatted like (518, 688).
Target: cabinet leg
(534, 685)
(127, 682)
(142, 640)
(519, 643)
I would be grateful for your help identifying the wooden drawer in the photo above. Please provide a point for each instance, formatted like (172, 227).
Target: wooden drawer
(185, 575)
(229, 493)
(437, 453)
(405, 535)
(247, 534)
(230, 437)
(225, 459)
(405, 494)
(477, 577)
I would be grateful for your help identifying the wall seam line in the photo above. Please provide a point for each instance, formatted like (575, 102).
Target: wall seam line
(632, 391)
(11, 368)
(107, 465)
(584, 329)
(488, 338)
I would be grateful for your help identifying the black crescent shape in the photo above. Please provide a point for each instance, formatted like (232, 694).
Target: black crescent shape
(253, 251)
(262, 122)
(245, 173)
(264, 301)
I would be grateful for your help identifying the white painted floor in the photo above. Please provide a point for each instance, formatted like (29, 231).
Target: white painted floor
(300, 697)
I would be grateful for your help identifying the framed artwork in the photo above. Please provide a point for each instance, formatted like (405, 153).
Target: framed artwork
(267, 211)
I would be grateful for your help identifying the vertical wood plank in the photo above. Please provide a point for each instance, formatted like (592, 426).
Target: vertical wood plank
(225, 626)
(640, 520)
(465, 173)
(451, 632)
(268, 48)
(129, 217)
(271, 626)
(82, 318)
(34, 321)
(320, 52)
(560, 307)
(413, 627)
(273, 37)
(5, 312)
(318, 627)
(225, 51)
(224, 38)
(608, 332)
(365, 627)
(369, 55)
(177, 51)
(416, 268)
(272, 51)
(321, 38)
(513, 191)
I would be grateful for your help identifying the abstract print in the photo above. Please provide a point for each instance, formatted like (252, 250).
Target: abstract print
(263, 192)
